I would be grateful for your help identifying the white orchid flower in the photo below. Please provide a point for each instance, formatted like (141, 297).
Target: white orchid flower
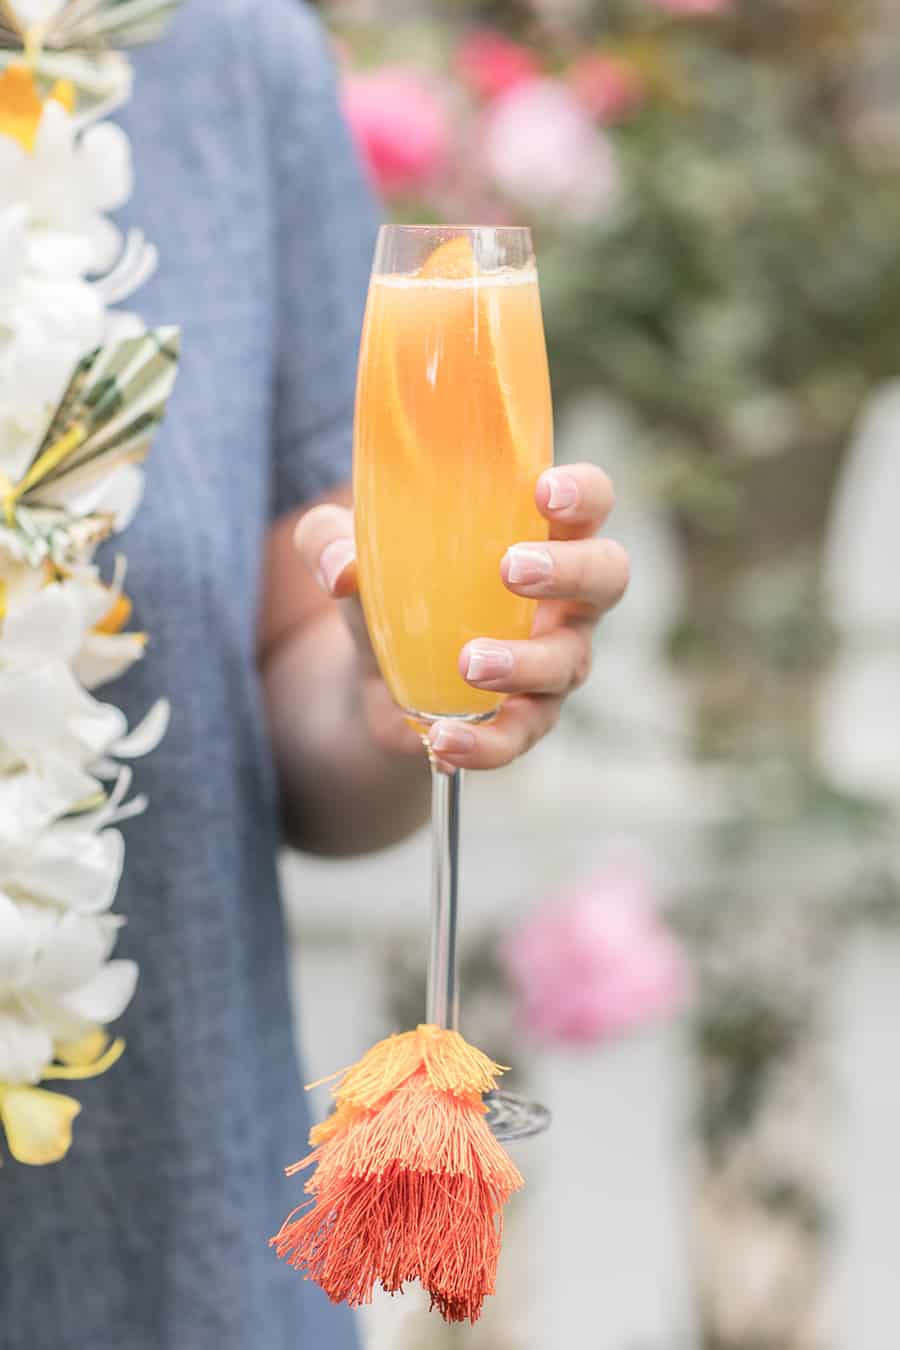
(106, 656)
(19, 579)
(74, 863)
(50, 625)
(26, 1047)
(30, 802)
(38, 1123)
(57, 255)
(18, 950)
(45, 714)
(58, 987)
(13, 244)
(70, 1014)
(46, 1036)
(47, 952)
(31, 13)
(75, 621)
(75, 868)
(68, 180)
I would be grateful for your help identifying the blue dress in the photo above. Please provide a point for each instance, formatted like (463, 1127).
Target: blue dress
(152, 1234)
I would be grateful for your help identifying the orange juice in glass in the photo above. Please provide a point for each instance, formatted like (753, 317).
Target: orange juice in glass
(453, 427)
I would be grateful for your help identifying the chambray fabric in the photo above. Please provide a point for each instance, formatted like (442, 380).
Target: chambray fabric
(152, 1234)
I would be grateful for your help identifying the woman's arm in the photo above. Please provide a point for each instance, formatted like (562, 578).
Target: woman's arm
(354, 776)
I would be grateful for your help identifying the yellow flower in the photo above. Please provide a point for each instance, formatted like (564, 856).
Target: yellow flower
(116, 617)
(21, 105)
(38, 1124)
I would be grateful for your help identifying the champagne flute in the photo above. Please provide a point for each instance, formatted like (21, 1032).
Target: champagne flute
(453, 427)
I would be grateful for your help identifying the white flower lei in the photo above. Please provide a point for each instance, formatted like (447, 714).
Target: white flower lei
(63, 785)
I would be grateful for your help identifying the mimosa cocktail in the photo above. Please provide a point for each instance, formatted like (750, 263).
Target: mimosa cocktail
(453, 427)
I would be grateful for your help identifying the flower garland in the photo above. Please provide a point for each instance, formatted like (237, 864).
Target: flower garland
(82, 388)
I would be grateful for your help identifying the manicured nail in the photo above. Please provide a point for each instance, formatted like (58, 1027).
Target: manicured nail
(332, 561)
(447, 738)
(528, 565)
(486, 663)
(563, 490)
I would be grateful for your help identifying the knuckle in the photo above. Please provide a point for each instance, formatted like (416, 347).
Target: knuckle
(532, 734)
(582, 664)
(497, 755)
(545, 717)
(331, 513)
(548, 673)
(584, 570)
(606, 489)
(597, 486)
(320, 523)
(618, 567)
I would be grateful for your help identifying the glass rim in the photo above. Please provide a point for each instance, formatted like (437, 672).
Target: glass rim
(453, 229)
(401, 250)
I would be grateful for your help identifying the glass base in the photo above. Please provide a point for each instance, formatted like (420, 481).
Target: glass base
(512, 1117)
(420, 719)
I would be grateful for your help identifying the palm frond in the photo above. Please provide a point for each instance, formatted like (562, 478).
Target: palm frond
(107, 416)
(91, 25)
(106, 419)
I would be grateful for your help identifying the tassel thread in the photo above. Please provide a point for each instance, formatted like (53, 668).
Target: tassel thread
(409, 1183)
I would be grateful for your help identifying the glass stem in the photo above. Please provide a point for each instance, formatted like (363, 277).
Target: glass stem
(443, 974)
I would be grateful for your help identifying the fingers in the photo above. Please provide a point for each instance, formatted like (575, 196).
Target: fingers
(555, 663)
(520, 724)
(592, 572)
(324, 540)
(575, 498)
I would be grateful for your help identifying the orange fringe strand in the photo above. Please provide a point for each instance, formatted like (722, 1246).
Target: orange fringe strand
(410, 1183)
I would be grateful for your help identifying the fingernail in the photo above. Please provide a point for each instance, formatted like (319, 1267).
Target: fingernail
(563, 491)
(332, 561)
(447, 738)
(528, 565)
(487, 663)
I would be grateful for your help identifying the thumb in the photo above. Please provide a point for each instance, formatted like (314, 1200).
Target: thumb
(324, 540)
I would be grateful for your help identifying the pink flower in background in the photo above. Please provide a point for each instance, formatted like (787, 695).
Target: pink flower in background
(611, 89)
(491, 64)
(400, 125)
(542, 149)
(596, 962)
(688, 7)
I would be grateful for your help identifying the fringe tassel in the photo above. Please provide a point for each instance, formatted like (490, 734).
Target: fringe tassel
(410, 1183)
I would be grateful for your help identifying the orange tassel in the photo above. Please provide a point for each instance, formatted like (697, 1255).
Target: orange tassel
(410, 1183)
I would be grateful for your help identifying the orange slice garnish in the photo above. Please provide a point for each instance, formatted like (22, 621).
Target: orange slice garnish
(449, 362)
(453, 260)
(492, 369)
(510, 315)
